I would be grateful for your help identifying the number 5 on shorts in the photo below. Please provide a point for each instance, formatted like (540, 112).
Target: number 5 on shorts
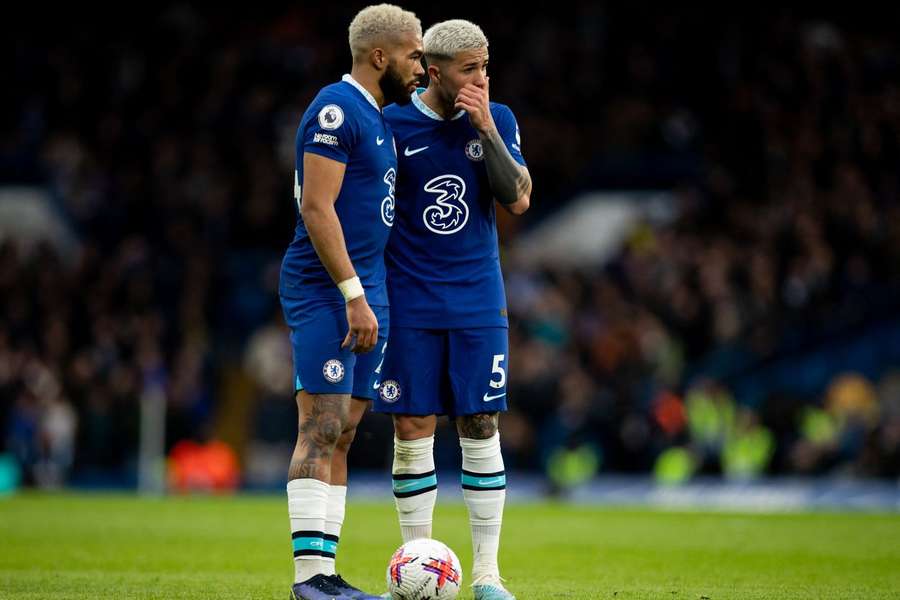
(498, 370)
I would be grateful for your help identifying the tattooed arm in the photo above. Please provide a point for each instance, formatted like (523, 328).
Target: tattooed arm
(509, 180)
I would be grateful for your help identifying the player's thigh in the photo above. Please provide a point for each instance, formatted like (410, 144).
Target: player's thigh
(413, 376)
(478, 360)
(367, 373)
(321, 366)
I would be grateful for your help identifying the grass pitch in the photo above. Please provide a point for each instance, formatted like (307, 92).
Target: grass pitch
(100, 546)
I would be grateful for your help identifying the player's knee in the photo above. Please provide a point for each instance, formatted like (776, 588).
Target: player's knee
(329, 432)
(323, 418)
(343, 443)
(478, 427)
(321, 433)
(411, 427)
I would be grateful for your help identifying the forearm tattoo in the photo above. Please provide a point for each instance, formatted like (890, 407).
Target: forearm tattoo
(509, 180)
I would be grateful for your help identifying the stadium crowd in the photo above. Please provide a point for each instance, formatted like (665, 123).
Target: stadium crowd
(758, 333)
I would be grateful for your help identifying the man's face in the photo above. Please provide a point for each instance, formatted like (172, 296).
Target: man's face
(468, 66)
(404, 69)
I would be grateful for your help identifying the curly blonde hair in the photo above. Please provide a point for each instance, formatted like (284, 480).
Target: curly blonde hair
(373, 24)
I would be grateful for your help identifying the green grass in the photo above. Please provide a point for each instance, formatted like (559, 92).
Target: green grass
(101, 546)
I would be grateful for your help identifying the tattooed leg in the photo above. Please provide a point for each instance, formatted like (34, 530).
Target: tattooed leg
(322, 420)
(484, 492)
(358, 407)
(477, 427)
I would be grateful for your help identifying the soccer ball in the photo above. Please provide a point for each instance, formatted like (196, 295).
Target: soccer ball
(424, 569)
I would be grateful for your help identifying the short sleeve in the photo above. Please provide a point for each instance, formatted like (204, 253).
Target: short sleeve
(329, 129)
(509, 132)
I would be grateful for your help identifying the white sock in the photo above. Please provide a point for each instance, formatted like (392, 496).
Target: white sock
(484, 491)
(307, 504)
(334, 519)
(415, 486)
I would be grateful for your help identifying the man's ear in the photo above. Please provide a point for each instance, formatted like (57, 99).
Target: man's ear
(378, 58)
(434, 72)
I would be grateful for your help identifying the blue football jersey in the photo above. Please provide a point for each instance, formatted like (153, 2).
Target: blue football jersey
(442, 258)
(344, 123)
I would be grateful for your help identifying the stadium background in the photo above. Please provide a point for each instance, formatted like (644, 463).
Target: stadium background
(745, 323)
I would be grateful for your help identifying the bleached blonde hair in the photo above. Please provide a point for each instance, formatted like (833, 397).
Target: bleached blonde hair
(448, 38)
(373, 24)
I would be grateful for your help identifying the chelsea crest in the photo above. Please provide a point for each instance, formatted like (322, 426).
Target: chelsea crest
(474, 150)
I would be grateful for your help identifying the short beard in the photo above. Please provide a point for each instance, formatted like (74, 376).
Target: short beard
(393, 88)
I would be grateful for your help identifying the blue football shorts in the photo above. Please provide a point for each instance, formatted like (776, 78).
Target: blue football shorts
(321, 366)
(444, 371)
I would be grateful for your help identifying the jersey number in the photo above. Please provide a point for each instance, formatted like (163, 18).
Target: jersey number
(387, 205)
(498, 370)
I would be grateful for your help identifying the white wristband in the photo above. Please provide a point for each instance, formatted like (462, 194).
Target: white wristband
(351, 289)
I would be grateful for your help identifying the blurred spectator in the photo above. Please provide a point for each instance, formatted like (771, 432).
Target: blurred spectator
(273, 416)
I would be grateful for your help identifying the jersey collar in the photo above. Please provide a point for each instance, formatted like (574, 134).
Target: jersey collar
(426, 110)
(349, 79)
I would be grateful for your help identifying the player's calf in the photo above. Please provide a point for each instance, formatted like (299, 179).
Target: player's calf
(322, 419)
(337, 493)
(415, 486)
(484, 489)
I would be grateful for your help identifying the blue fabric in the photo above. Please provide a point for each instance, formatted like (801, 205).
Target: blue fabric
(341, 124)
(321, 366)
(442, 258)
(453, 372)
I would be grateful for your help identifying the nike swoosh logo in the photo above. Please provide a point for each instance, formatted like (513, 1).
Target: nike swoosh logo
(408, 152)
(403, 486)
(493, 481)
(487, 398)
(379, 140)
(375, 385)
